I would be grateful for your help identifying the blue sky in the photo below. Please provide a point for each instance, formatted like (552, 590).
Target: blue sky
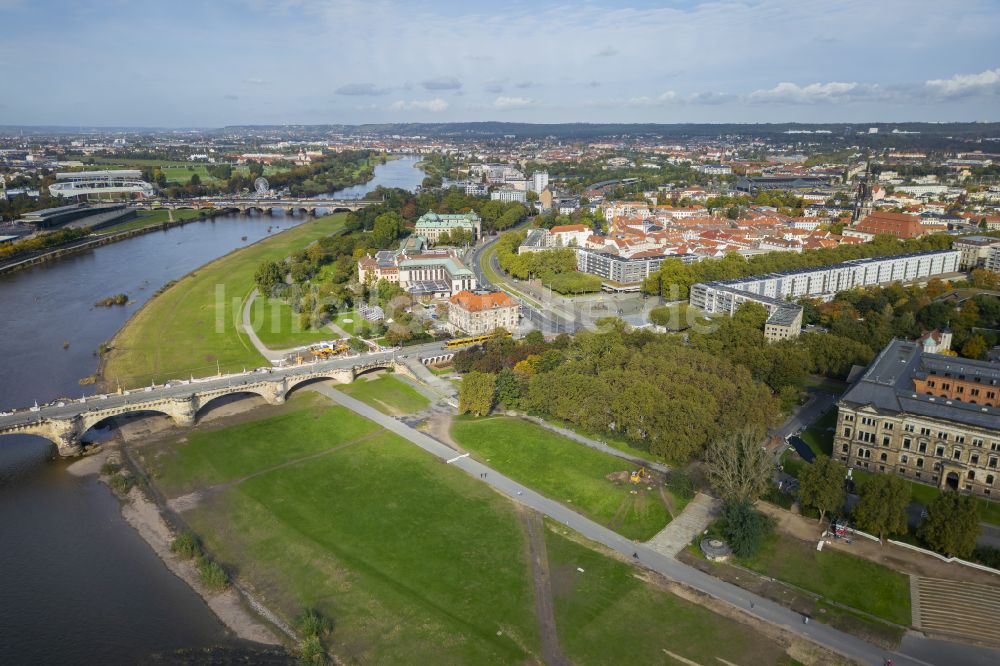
(216, 62)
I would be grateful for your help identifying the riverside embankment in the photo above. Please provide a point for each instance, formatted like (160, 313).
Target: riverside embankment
(80, 585)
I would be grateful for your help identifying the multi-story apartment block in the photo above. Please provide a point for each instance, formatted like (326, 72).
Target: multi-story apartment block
(539, 181)
(992, 262)
(974, 250)
(481, 314)
(623, 270)
(930, 418)
(507, 194)
(774, 290)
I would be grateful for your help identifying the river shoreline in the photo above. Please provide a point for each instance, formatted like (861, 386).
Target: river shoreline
(147, 518)
(70, 515)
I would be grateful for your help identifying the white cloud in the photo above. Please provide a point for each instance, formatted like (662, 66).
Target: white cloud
(962, 85)
(606, 52)
(669, 97)
(432, 105)
(818, 93)
(512, 102)
(255, 81)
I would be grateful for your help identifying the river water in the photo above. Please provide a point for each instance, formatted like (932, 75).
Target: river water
(77, 584)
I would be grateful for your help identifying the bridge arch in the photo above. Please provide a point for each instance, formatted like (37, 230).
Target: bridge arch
(37, 443)
(214, 402)
(297, 385)
(115, 421)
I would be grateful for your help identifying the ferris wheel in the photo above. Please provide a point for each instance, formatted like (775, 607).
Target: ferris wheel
(261, 186)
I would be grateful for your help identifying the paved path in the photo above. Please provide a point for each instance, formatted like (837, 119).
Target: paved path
(694, 519)
(914, 651)
(441, 388)
(265, 351)
(597, 444)
(818, 404)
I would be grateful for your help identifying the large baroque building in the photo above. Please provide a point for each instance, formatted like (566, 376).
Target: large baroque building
(927, 417)
(437, 273)
(432, 225)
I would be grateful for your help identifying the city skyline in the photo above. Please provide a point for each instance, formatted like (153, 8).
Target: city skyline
(277, 62)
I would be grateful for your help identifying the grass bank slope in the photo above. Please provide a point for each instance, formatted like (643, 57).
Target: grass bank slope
(191, 328)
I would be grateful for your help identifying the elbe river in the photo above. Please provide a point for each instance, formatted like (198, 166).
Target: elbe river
(77, 584)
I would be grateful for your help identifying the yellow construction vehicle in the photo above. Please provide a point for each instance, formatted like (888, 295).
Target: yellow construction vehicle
(638, 475)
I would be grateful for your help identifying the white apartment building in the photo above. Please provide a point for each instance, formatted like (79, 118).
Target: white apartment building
(507, 195)
(539, 181)
(775, 290)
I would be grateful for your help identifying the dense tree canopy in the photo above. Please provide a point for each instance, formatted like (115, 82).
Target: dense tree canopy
(649, 389)
(952, 525)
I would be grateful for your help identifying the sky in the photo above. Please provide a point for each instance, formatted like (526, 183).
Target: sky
(210, 63)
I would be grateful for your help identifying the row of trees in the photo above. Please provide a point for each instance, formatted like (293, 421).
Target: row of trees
(41, 242)
(740, 471)
(542, 264)
(951, 526)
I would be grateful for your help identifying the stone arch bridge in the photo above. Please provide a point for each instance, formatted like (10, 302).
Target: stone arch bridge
(64, 423)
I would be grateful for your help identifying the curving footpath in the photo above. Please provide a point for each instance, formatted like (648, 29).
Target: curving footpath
(914, 650)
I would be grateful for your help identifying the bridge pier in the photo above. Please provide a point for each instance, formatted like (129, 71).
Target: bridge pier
(65, 434)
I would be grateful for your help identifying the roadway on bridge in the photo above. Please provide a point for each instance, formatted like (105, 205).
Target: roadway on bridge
(68, 409)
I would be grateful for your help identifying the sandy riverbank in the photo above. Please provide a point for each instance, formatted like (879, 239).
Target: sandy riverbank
(145, 517)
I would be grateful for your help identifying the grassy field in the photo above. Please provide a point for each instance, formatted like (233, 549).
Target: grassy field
(388, 394)
(413, 561)
(564, 470)
(278, 327)
(840, 577)
(606, 615)
(192, 325)
(347, 321)
(176, 172)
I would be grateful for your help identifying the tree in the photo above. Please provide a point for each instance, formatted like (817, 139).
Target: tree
(387, 228)
(508, 388)
(745, 528)
(882, 509)
(476, 393)
(269, 274)
(975, 347)
(952, 525)
(821, 485)
(738, 466)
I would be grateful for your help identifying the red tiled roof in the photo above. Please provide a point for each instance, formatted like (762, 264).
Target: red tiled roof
(477, 302)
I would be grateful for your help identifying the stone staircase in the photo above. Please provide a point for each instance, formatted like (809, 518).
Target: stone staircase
(951, 608)
(693, 520)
